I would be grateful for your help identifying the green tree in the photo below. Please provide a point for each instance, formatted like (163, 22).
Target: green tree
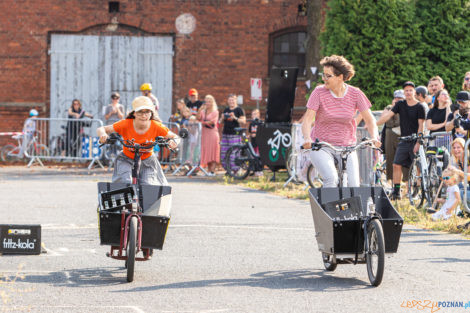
(445, 40)
(381, 40)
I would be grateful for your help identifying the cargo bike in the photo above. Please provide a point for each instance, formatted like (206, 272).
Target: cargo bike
(354, 225)
(133, 218)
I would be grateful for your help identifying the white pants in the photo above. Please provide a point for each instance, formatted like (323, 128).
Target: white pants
(324, 162)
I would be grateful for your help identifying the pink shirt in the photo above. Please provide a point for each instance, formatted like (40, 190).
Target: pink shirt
(334, 119)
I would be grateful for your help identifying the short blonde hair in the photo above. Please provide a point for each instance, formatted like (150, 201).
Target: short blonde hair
(454, 172)
(464, 86)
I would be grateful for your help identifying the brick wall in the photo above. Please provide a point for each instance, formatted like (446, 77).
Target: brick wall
(229, 45)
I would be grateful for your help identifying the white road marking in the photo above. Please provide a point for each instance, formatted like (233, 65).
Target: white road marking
(67, 277)
(241, 227)
(198, 311)
(81, 308)
(69, 226)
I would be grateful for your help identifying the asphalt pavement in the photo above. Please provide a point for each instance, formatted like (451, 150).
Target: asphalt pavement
(228, 249)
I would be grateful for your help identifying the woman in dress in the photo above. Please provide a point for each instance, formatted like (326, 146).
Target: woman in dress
(208, 115)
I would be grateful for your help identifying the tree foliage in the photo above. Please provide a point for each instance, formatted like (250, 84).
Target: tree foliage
(392, 41)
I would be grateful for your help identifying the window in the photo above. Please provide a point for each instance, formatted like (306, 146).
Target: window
(288, 50)
(113, 6)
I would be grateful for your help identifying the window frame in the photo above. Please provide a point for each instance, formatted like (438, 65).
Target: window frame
(276, 34)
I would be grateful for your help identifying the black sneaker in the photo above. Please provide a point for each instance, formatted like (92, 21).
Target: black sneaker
(395, 196)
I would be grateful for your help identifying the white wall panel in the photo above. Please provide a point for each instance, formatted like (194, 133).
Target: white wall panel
(90, 68)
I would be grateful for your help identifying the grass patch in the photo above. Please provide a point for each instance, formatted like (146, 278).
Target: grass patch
(420, 218)
(410, 214)
(264, 183)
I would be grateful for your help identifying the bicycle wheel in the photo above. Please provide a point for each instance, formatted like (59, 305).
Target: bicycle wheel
(290, 166)
(131, 248)
(55, 146)
(329, 261)
(434, 181)
(9, 153)
(375, 252)
(415, 186)
(312, 177)
(238, 162)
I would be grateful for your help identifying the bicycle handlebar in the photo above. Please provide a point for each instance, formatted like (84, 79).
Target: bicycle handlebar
(417, 136)
(130, 144)
(365, 142)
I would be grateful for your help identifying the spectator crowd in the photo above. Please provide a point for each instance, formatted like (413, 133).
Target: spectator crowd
(428, 109)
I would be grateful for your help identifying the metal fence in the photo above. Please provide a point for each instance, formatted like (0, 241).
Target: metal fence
(191, 150)
(443, 139)
(68, 140)
(57, 139)
(465, 171)
(300, 160)
(168, 159)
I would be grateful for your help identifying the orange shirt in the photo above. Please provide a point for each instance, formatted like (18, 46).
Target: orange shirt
(125, 128)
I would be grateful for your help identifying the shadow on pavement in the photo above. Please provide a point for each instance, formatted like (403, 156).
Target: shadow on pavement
(301, 280)
(84, 277)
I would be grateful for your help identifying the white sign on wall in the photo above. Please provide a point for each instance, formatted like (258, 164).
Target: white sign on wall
(256, 92)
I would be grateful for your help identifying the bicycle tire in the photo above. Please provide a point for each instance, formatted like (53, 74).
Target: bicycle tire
(241, 166)
(54, 143)
(312, 178)
(415, 188)
(434, 181)
(131, 248)
(290, 163)
(8, 153)
(375, 256)
(329, 261)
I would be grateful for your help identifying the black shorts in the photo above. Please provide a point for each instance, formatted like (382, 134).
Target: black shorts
(404, 154)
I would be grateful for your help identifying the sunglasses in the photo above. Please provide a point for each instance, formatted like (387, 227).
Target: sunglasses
(446, 177)
(326, 76)
(467, 78)
(114, 97)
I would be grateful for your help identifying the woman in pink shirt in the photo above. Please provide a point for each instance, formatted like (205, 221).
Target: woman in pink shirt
(331, 109)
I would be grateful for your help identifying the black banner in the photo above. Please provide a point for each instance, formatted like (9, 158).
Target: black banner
(20, 239)
(274, 141)
(281, 95)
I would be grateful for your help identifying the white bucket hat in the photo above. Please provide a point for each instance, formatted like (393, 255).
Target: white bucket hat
(142, 103)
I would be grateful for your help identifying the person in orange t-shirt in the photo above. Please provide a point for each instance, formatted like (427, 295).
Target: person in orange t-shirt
(141, 126)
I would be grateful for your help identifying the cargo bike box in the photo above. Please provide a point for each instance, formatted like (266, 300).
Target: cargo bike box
(156, 204)
(355, 225)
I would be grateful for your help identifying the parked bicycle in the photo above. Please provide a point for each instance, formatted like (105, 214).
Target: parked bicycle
(69, 143)
(241, 159)
(28, 147)
(425, 170)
